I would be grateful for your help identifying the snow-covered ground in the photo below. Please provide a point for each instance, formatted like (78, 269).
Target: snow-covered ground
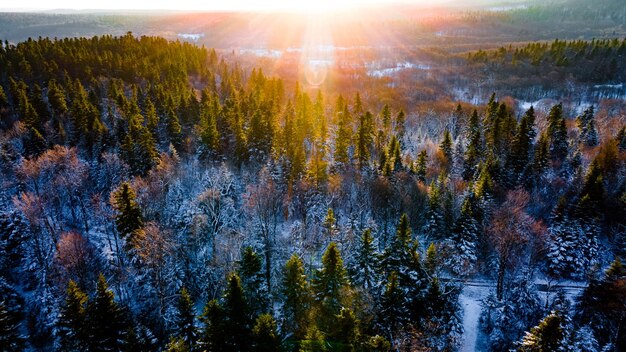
(470, 300)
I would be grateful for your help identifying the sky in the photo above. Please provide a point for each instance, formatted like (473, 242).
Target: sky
(208, 5)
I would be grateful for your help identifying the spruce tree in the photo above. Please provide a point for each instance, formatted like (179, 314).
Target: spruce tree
(364, 140)
(587, 128)
(465, 236)
(330, 287)
(128, 218)
(72, 321)
(185, 319)
(557, 132)
(365, 268)
(213, 328)
(521, 146)
(547, 336)
(237, 315)
(105, 320)
(474, 148)
(266, 338)
(254, 284)
(342, 139)
(420, 167)
(446, 149)
(346, 331)
(297, 299)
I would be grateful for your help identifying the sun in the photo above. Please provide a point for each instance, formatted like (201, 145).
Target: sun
(315, 6)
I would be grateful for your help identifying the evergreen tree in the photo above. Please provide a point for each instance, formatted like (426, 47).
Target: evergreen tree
(185, 320)
(346, 332)
(72, 321)
(557, 132)
(400, 129)
(365, 139)
(474, 148)
(420, 167)
(330, 287)
(365, 269)
(465, 236)
(254, 284)
(297, 299)
(128, 218)
(521, 146)
(265, 336)
(342, 139)
(446, 149)
(587, 128)
(237, 315)
(547, 336)
(213, 328)
(4, 101)
(393, 307)
(105, 320)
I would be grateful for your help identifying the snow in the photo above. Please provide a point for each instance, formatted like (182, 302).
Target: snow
(470, 300)
(191, 36)
(389, 71)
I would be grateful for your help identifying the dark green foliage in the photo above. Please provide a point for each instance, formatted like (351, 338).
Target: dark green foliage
(547, 336)
(254, 284)
(128, 218)
(557, 133)
(330, 287)
(73, 320)
(420, 167)
(265, 336)
(297, 298)
(185, 319)
(446, 149)
(474, 148)
(365, 274)
(237, 318)
(213, 328)
(587, 128)
(521, 146)
(106, 321)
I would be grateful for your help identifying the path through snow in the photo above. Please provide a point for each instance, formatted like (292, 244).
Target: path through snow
(470, 299)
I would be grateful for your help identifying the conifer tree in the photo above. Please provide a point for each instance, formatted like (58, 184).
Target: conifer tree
(474, 147)
(4, 101)
(446, 149)
(393, 307)
(521, 145)
(237, 315)
(72, 321)
(185, 319)
(587, 128)
(365, 139)
(330, 287)
(346, 332)
(265, 336)
(297, 299)
(105, 320)
(420, 167)
(213, 328)
(547, 336)
(365, 269)
(400, 129)
(557, 132)
(128, 218)
(254, 284)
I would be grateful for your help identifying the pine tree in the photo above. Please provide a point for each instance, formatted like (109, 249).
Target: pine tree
(128, 218)
(474, 148)
(365, 139)
(393, 307)
(237, 317)
(185, 319)
(365, 269)
(587, 128)
(346, 332)
(420, 167)
(465, 236)
(213, 328)
(342, 140)
(174, 130)
(521, 146)
(4, 101)
(400, 129)
(265, 336)
(547, 336)
(297, 299)
(72, 321)
(105, 320)
(330, 287)
(557, 132)
(254, 284)
(446, 149)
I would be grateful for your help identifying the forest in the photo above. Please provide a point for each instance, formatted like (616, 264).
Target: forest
(160, 196)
